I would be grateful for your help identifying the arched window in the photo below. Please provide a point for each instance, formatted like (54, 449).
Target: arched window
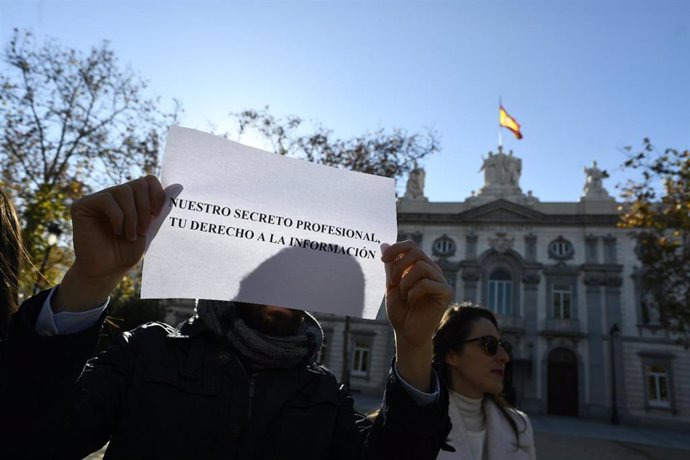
(501, 292)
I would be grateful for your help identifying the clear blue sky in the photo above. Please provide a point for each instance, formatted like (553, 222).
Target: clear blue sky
(584, 78)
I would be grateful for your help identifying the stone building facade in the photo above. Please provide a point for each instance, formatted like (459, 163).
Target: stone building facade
(562, 279)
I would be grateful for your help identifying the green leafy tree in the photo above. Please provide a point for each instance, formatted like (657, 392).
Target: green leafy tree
(658, 213)
(71, 122)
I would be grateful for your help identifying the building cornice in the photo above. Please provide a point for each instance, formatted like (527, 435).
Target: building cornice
(503, 212)
(551, 220)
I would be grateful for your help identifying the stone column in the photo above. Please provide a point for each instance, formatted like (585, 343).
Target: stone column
(470, 269)
(471, 246)
(591, 252)
(612, 293)
(531, 248)
(530, 280)
(610, 250)
(597, 405)
(470, 279)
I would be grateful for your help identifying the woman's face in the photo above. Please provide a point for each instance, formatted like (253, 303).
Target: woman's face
(473, 371)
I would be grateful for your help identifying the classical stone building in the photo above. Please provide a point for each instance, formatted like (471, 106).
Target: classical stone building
(562, 279)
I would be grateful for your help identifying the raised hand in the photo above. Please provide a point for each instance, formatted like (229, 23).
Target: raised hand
(109, 239)
(417, 295)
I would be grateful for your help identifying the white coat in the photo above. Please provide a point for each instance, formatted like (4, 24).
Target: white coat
(500, 437)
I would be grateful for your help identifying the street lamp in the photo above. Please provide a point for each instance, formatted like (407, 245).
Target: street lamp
(53, 231)
(613, 332)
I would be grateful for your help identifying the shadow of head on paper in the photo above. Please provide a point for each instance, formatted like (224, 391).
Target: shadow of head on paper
(306, 279)
(171, 191)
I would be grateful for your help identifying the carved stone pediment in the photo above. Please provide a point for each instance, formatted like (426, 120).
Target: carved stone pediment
(503, 211)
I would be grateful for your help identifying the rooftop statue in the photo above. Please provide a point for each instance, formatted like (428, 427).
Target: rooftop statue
(594, 186)
(502, 170)
(415, 184)
(594, 178)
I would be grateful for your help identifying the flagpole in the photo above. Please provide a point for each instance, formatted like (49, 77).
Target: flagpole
(500, 133)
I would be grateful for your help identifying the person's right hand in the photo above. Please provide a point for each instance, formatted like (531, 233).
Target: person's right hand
(109, 239)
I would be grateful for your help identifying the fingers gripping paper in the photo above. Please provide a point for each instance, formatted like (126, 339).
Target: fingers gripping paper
(243, 224)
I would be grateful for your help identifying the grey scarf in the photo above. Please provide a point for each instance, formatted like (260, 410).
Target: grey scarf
(261, 351)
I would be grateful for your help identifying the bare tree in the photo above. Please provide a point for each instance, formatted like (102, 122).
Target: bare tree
(385, 153)
(71, 122)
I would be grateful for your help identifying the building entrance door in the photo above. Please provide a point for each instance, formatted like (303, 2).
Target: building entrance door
(562, 385)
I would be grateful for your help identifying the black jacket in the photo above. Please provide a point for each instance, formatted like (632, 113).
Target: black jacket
(161, 392)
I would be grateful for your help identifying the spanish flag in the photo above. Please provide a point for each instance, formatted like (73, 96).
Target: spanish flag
(509, 122)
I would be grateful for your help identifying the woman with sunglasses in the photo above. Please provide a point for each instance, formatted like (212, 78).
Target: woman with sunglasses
(471, 359)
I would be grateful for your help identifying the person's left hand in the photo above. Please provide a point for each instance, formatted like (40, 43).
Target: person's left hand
(417, 293)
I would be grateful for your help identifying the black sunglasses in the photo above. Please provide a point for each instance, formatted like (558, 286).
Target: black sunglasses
(490, 345)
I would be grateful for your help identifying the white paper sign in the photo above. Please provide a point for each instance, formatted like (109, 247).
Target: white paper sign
(243, 224)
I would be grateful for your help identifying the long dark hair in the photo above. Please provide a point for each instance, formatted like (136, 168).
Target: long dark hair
(455, 328)
(11, 258)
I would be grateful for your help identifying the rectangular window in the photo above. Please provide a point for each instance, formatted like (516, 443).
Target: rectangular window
(501, 297)
(360, 358)
(561, 299)
(657, 386)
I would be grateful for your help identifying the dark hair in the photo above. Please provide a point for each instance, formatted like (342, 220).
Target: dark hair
(11, 258)
(456, 326)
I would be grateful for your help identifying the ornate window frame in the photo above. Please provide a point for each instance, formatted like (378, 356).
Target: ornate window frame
(650, 360)
(561, 249)
(443, 246)
(564, 293)
(511, 262)
(500, 297)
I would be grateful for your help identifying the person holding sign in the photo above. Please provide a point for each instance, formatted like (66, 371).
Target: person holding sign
(235, 381)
